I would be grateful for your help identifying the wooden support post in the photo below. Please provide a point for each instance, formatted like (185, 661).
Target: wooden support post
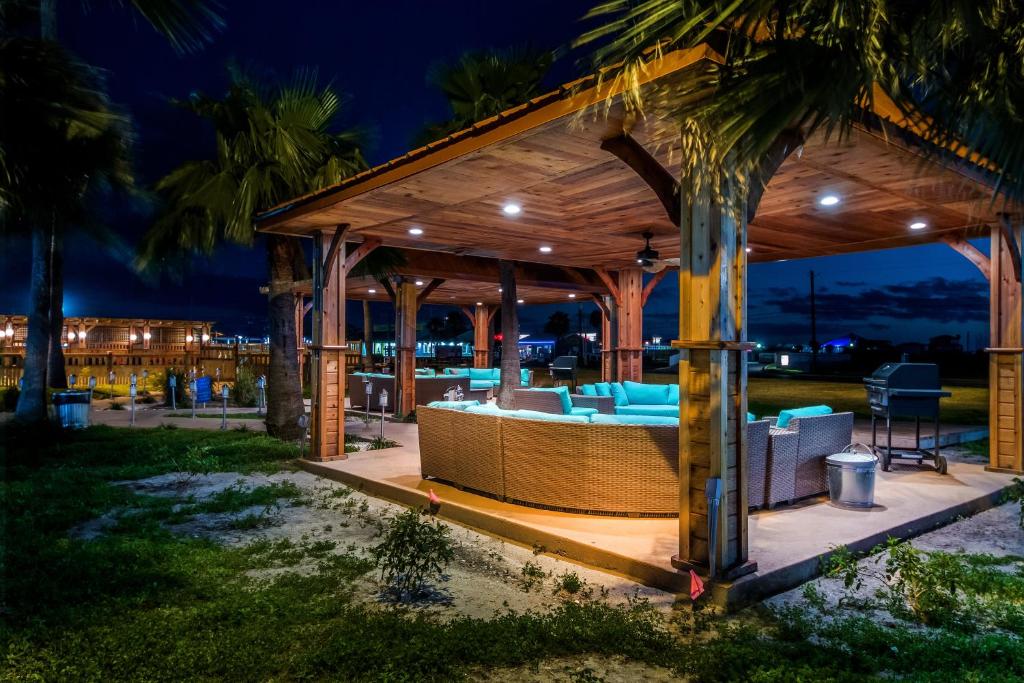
(606, 304)
(1006, 357)
(300, 314)
(328, 371)
(712, 384)
(482, 335)
(405, 347)
(630, 347)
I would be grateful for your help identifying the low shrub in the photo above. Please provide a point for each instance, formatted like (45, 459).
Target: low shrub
(245, 387)
(415, 550)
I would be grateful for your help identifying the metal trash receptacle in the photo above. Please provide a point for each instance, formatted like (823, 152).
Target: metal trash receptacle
(72, 409)
(851, 479)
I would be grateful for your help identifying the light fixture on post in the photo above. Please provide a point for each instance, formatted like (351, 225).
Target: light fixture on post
(205, 337)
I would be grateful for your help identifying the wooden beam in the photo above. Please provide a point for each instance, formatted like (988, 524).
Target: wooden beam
(609, 283)
(337, 239)
(469, 314)
(787, 141)
(969, 252)
(389, 288)
(421, 298)
(360, 252)
(1012, 248)
(491, 310)
(657, 177)
(649, 287)
(601, 305)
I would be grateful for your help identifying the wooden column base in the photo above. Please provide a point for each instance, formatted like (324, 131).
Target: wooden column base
(481, 358)
(730, 574)
(631, 365)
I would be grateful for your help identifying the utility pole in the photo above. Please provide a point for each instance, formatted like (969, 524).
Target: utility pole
(814, 329)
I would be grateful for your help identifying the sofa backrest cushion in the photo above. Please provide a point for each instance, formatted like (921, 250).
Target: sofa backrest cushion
(810, 411)
(603, 389)
(453, 405)
(491, 409)
(374, 375)
(481, 373)
(588, 390)
(673, 394)
(496, 374)
(634, 420)
(524, 376)
(619, 393)
(457, 372)
(563, 396)
(646, 394)
(425, 372)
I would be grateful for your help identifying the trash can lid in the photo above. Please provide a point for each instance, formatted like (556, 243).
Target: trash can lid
(851, 459)
(70, 396)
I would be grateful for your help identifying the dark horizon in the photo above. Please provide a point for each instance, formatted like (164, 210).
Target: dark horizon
(902, 295)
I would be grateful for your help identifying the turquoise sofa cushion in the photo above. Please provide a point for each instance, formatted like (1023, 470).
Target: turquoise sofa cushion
(524, 377)
(646, 394)
(563, 395)
(576, 410)
(481, 384)
(810, 411)
(496, 374)
(660, 410)
(603, 389)
(673, 394)
(634, 420)
(378, 375)
(453, 405)
(619, 393)
(588, 390)
(751, 417)
(481, 373)
(491, 409)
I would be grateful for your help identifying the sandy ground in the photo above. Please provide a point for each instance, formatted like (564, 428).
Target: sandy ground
(485, 578)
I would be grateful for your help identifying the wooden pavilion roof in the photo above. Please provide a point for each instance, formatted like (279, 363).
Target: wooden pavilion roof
(590, 208)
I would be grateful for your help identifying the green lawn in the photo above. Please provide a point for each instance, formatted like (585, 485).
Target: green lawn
(768, 395)
(139, 603)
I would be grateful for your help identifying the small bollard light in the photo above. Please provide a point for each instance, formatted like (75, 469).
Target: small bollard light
(172, 384)
(21, 384)
(261, 400)
(145, 380)
(110, 379)
(368, 385)
(192, 396)
(72, 381)
(304, 426)
(131, 399)
(383, 404)
(224, 407)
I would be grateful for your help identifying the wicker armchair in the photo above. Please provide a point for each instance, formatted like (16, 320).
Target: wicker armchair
(797, 455)
(758, 463)
(604, 404)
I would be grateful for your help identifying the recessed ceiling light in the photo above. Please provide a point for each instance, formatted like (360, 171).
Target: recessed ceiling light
(545, 250)
(749, 250)
(419, 283)
(499, 289)
(572, 296)
(415, 231)
(829, 200)
(511, 209)
(918, 225)
(372, 291)
(479, 303)
(519, 301)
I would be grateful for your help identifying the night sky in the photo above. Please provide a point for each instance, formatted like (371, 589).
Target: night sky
(377, 54)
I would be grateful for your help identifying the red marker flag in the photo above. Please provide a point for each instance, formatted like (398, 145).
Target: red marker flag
(435, 502)
(696, 586)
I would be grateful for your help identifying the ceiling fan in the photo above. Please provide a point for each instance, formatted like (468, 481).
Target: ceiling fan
(649, 258)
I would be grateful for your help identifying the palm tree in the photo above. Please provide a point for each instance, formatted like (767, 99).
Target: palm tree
(186, 24)
(271, 144)
(483, 84)
(61, 144)
(957, 68)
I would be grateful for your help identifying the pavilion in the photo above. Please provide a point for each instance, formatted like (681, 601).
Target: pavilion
(565, 185)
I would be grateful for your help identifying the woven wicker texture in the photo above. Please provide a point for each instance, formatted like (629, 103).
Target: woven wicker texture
(820, 437)
(461, 448)
(604, 404)
(757, 462)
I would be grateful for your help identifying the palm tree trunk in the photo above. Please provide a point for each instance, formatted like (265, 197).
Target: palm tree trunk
(284, 389)
(509, 336)
(367, 335)
(32, 400)
(56, 375)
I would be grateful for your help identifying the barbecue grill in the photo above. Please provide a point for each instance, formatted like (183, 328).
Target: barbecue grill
(905, 390)
(563, 369)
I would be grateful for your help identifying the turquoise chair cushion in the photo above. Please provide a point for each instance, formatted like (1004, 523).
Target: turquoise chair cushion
(619, 393)
(481, 373)
(524, 377)
(491, 409)
(751, 418)
(634, 420)
(453, 405)
(660, 410)
(563, 395)
(588, 390)
(810, 411)
(575, 410)
(481, 384)
(603, 388)
(646, 394)
(673, 394)
(496, 374)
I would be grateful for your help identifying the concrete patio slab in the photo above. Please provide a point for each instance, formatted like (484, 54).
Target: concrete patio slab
(787, 543)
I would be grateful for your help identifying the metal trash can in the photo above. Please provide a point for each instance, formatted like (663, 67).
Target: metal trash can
(851, 478)
(72, 409)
